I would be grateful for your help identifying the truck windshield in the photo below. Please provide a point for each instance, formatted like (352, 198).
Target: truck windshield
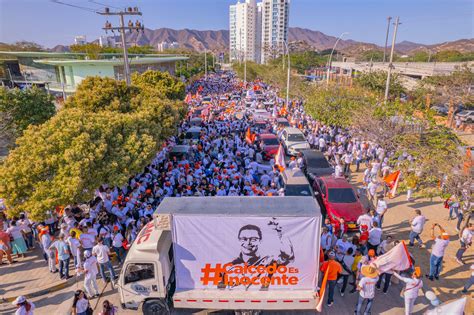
(138, 272)
(341, 195)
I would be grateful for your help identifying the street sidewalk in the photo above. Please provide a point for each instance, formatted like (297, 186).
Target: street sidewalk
(30, 277)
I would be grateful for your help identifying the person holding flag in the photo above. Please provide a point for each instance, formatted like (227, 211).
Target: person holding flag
(331, 269)
(437, 251)
(412, 286)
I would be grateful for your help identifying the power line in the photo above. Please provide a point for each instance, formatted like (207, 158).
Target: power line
(105, 5)
(74, 6)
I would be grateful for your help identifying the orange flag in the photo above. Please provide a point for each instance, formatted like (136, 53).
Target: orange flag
(319, 307)
(283, 111)
(249, 136)
(188, 98)
(392, 182)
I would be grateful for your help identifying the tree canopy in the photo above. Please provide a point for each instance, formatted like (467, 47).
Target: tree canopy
(106, 133)
(21, 108)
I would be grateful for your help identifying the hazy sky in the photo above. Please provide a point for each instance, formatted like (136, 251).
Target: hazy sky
(423, 21)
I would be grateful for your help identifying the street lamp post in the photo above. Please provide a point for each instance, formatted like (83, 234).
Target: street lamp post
(288, 74)
(330, 56)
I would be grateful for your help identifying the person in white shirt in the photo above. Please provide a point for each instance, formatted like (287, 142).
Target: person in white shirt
(117, 244)
(91, 271)
(23, 307)
(45, 239)
(102, 252)
(381, 209)
(326, 239)
(466, 241)
(437, 251)
(372, 191)
(364, 219)
(87, 240)
(417, 225)
(366, 288)
(412, 286)
(74, 245)
(346, 263)
(375, 236)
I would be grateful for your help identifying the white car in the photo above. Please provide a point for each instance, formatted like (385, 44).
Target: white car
(466, 116)
(294, 140)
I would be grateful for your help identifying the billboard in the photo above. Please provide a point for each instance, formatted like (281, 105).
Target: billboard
(246, 253)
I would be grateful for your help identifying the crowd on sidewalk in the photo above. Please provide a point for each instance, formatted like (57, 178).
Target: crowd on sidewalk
(223, 162)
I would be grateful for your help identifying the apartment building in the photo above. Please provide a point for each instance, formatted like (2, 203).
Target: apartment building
(243, 31)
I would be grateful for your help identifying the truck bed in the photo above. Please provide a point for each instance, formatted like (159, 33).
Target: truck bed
(246, 300)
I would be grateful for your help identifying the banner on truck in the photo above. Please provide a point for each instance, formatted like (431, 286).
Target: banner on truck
(246, 253)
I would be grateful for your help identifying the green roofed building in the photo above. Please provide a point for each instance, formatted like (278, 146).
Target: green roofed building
(62, 72)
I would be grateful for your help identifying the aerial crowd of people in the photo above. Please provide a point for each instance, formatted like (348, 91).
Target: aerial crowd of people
(221, 161)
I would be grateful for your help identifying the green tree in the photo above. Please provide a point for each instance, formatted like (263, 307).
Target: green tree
(21, 108)
(94, 140)
(372, 55)
(376, 80)
(160, 84)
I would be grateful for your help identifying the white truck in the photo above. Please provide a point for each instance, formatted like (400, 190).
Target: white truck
(245, 254)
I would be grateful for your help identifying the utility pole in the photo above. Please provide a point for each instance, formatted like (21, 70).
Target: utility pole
(205, 63)
(389, 73)
(288, 76)
(386, 38)
(121, 29)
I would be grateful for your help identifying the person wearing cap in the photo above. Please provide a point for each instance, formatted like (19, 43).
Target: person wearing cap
(412, 286)
(23, 307)
(366, 288)
(334, 269)
(437, 251)
(90, 279)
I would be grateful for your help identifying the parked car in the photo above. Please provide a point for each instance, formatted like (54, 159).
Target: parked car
(261, 125)
(293, 141)
(179, 151)
(261, 114)
(295, 183)
(192, 135)
(315, 164)
(282, 122)
(466, 116)
(338, 199)
(195, 121)
(440, 109)
(270, 145)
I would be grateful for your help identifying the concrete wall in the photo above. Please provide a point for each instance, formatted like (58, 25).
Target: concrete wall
(80, 72)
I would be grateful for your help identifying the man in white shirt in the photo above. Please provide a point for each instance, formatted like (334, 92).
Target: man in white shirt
(326, 239)
(102, 252)
(87, 240)
(91, 271)
(381, 208)
(437, 251)
(346, 264)
(417, 225)
(375, 236)
(466, 241)
(366, 288)
(364, 219)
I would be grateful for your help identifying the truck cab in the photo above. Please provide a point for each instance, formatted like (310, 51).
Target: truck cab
(147, 277)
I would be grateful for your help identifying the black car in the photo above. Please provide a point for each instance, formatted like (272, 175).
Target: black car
(315, 164)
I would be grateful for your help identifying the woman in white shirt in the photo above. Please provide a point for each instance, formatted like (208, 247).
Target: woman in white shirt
(18, 244)
(80, 303)
(412, 286)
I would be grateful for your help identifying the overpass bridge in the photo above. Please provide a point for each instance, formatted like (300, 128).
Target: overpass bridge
(416, 70)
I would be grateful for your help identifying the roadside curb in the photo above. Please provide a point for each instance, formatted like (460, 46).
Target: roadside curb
(44, 291)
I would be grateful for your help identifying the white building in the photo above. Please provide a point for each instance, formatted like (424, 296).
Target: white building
(107, 41)
(243, 31)
(257, 31)
(165, 45)
(275, 18)
(80, 40)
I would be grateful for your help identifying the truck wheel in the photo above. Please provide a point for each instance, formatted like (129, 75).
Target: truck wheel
(155, 307)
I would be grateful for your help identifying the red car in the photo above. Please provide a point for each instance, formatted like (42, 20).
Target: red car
(338, 199)
(270, 144)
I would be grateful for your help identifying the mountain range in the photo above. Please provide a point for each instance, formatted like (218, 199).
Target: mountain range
(218, 40)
